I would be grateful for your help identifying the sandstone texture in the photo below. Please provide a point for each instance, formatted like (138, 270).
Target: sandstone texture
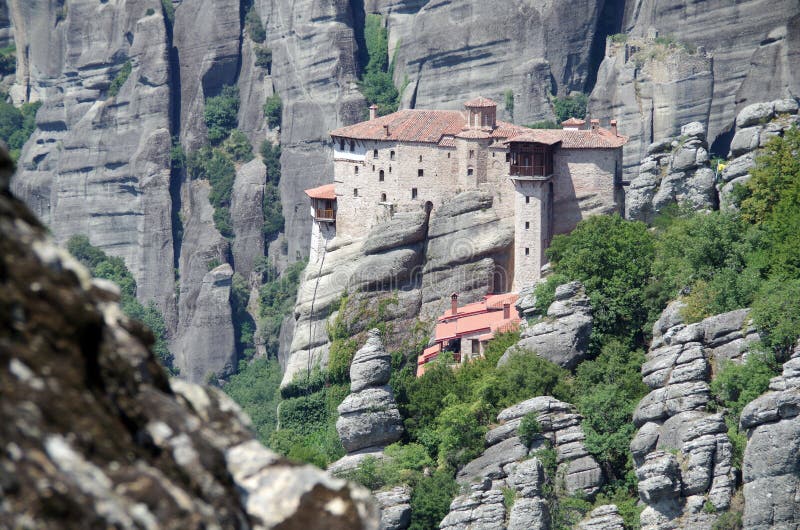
(770, 472)
(368, 416)
(562, 336)
(508, 463)
(682, 452)
(93, 433)
(756, 124)
(676, 170)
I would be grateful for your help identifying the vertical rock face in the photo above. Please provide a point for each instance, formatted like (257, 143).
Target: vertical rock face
(314, 70)
(450, 51)
(770, 472)
(756, 124)
(93, 434)
(207, 347)
(562, 337)
(651, 90)
(681, 451)
(675, 171)
(368, 417)
(247, 216)
(98, 164)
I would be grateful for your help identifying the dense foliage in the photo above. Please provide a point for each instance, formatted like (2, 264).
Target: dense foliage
(8, 60)
(221, 114)
(273, 109)
(17, 125)
(255, 28)
(216, 167)
(377, 84)
(572, 106)
(272, 207)
(256, 389)
(114, 269)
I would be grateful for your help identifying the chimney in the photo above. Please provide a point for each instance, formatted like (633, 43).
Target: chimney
(454, 304)
(373, 111)
(506, 311)
(614, 127)
(595, 125)
(386, 130)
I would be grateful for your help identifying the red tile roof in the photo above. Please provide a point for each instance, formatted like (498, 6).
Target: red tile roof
(410, 125)
(474, 133)
(328, 191)
(573, 122)
(572, 139)
(480, 102)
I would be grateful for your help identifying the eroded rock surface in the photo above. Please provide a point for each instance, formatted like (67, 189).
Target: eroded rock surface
(682, 452)
(561, 336)
(770, 471)
(93, 435)
(604, 517)
(395, 508)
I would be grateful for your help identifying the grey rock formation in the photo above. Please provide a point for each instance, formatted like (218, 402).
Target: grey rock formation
(651, 90)
(207, 348)
(676, 170)
(562, 336)
(530, 510)
(519, 48)
(770, 470)
(395, 508)
(673, 418)
(368, 416)
(605, 517)
(97, 164)
(92, 424)
(756, 124)
(247, 216)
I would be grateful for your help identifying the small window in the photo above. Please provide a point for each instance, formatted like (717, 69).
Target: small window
(476, 347)
(527, 199)
(420, 158)
(420, 173)
(448, 155)
(380, 176)
(383, 197)
(355, 192)
(413, 193)
(390, 169)
(352, 146)
(355, 170)
(492, 154)
(341, 144)
(374, 153)
(471, 153)
(508, 157)
(527, 251)
(469, 172)
(373, 167)
(391, 155)
(527, 225)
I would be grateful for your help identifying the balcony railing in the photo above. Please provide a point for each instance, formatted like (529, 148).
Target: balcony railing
(324, 214)
(530, 171)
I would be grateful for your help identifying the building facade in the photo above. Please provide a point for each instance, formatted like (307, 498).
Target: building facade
(548, 180)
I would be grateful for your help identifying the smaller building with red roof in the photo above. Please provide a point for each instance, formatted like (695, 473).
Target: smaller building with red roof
(464, 331)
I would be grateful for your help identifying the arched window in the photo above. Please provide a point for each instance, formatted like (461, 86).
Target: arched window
(374, 153)
(383, 197)
(380, 176)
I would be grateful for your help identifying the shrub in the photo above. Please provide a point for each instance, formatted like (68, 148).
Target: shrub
(273, 110)
(776, 314)
(8, 60)
(150, 11)
(377, 84)
(256, 389)
(573, 106)
(545, 292)
(221, 114)
(529, 428)
(271, 155)
(430, 500)
(459, 431)
(544, 124)
(276, 301)
(728, 521)
(255, 28)
(120, 78)
(263, 57)
(243, 325)
(340, 356)
(238, 147)
(169, 11)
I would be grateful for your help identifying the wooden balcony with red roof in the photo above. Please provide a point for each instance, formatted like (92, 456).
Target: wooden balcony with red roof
(323, 203)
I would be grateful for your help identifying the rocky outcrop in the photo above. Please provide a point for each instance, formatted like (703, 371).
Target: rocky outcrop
(562, 336)
(651, 89)
(770, 471)
(756, 124)
(97, 163)
(509, 463)
(95, 436)
(519, 48)
(247, 216)
(409, 265)
(368, 416)
(395, 508)
(207, 349)
(682, 453)
(675, 171)
(605, 517)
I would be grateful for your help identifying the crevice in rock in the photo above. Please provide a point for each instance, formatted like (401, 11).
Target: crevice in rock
(609, 22)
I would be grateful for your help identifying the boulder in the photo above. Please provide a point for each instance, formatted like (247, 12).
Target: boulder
(395, 508)
(755, 114)
(371, 365)
(402, 229)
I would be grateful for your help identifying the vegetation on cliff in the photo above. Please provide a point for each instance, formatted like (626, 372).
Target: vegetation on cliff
(377, 83)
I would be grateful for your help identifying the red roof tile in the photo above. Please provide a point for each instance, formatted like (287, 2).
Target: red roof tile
(474, 133)
(328, 191)
(572, 139)
(480, 102)
(410, 125)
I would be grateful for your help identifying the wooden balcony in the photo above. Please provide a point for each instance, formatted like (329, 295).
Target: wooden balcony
(530, 171)
(325, 215)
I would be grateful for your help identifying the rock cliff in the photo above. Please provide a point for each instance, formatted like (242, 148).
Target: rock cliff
(770, 470)
(682, 452)
(94, 434)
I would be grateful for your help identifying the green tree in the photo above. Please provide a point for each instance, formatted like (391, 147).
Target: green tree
(119, 80)
(572, 106)
(377, 84)
(221, 114)
(255, 28)
(273, 111)
(430, 500)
